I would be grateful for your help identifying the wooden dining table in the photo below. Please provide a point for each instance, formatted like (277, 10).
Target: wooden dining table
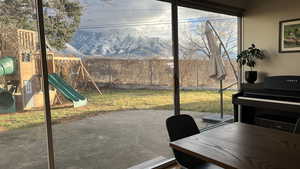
(243, 146)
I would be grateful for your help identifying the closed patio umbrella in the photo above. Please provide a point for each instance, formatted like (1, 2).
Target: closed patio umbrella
(216, 65)
(216, 68)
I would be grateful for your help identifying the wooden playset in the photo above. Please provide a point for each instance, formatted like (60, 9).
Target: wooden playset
(20, 69)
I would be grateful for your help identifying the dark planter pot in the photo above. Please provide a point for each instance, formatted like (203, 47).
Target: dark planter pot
(251, 76)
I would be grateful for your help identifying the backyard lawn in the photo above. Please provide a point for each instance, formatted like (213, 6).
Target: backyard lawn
(116, 100)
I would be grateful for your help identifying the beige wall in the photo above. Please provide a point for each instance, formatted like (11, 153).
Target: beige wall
(261, 26)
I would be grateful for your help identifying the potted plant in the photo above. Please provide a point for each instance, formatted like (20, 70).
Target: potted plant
(248, 57)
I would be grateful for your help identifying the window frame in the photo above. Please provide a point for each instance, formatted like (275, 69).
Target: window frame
(205, 5)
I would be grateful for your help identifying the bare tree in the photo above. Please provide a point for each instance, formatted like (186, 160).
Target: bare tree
(8, 37)
(194, 45)
(194, 42)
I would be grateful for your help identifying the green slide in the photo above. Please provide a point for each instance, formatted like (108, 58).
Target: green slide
(7, 66)
(67, 90)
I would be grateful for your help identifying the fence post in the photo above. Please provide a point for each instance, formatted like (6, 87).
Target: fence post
(151, 72)
(110, 73)
(197, 69)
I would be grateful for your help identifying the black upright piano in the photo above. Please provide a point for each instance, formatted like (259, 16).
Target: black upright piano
(275, 103)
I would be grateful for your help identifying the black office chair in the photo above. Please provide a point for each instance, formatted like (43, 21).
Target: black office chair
(297, 127)
(181, 126)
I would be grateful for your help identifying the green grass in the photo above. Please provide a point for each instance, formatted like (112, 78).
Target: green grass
(116, 100)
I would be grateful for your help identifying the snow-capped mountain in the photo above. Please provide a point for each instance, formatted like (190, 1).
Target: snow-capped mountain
(69, 49)
(120, 44)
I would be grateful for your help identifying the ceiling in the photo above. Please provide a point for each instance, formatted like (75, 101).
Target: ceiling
(234, 3)
(230, 7)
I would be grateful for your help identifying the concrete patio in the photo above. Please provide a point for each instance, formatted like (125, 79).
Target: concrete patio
(114, 140)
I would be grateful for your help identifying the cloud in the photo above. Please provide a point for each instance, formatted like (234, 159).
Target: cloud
(148, 17)
(99, 12)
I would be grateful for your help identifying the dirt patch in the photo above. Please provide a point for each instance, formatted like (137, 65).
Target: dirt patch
(2, 129)
(78, 117)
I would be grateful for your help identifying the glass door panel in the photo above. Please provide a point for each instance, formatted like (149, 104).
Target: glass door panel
(22, 131)
(112, 75)
(208, 48)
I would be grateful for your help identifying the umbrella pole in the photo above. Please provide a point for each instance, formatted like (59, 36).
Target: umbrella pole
(221, 99)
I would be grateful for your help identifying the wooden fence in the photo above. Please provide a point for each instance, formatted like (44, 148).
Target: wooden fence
(156, 72)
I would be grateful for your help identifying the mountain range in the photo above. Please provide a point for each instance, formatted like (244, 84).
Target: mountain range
(117, 44)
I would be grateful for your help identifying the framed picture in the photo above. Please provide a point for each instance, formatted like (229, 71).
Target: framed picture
(289, 36)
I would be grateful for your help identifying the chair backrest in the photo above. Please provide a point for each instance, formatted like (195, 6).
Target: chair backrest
(297, 127)
(181, 126)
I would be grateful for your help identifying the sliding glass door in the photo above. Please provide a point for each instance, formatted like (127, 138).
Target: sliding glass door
(110, 69)
(208, 70)
(22, 131)
(112, 74)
